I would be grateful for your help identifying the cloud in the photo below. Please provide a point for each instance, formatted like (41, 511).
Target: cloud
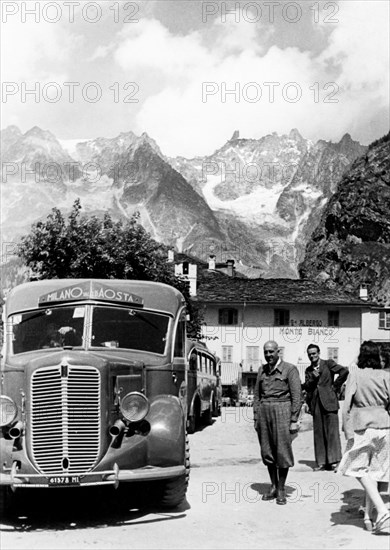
(34, 52)
(359, 44)
(321, 95)
(196, 88)
(150, 46)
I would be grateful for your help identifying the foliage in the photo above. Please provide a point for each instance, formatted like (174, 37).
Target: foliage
(89, 247)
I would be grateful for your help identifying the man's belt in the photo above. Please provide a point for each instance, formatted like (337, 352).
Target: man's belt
(275, 399)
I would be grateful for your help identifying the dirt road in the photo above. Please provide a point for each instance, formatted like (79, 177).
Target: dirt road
(224, 508)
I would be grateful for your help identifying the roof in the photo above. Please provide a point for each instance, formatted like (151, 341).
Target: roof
(147, 294)
(215, 287)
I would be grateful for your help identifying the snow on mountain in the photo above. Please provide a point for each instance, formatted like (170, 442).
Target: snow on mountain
(70, 146)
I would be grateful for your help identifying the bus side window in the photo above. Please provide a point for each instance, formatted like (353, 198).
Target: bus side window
(193, 362)
(180, 339)
(214, 368)
(199, 360)
(204, 368)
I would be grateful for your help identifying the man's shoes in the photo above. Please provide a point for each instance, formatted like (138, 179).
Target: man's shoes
(281, 497)
(334, 466)
(320, 468)
(272, 493)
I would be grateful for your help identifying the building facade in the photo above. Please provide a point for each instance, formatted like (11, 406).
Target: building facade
(242, 314)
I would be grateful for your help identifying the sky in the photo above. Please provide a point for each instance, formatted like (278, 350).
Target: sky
(190, 73)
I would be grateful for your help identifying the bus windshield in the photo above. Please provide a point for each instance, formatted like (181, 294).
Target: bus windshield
(115, 327)
(48, 328)
(112, 327)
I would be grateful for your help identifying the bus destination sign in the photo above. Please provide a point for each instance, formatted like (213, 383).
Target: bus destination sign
(90, 290)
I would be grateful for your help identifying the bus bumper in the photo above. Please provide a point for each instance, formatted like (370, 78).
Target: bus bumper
(109, 477)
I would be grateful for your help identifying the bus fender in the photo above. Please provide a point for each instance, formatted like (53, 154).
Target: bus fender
(212, 401)
(167, 436)
(195, 397)
(6, 447)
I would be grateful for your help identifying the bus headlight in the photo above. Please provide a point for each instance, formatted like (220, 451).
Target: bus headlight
(134, 406)
(8, 410)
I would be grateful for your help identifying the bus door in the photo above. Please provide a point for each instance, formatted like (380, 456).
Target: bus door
(204, 380)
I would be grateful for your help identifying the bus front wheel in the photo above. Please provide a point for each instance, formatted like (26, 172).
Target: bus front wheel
(194, 418)
(174, 490)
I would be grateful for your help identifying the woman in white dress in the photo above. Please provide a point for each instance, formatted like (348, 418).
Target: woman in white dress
(366, 424)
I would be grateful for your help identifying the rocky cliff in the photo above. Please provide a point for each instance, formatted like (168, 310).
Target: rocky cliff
(351, 244)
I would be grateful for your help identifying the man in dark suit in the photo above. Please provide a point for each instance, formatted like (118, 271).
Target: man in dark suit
(322, 398)
(277, 403)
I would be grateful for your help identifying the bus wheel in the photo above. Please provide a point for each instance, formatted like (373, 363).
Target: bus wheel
(194, 419)
(208, 416)
(7, 501)
(174, 490)
(216, 409)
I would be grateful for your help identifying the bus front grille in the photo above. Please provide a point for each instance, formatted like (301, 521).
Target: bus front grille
(65, 419)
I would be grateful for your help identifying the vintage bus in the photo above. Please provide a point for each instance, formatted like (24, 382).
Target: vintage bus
(93, 387)
(204, 390)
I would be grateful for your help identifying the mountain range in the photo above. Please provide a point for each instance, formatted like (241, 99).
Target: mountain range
(350, 246)
(257, 201)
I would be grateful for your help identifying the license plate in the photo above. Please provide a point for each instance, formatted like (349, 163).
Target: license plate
(56, 481)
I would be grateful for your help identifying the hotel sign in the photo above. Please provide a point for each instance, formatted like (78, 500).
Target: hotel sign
(306, 323)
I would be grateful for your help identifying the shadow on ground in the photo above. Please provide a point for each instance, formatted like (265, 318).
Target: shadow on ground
(311, 463)
(262, 488)
(63, 509)
(351, 511)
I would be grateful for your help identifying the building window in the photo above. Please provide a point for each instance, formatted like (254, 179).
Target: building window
(333, 318)
(333, 353)
(384, 319)
(227, 354)
(228, 316)
(281, 317)
(252, 357)
(252, 353)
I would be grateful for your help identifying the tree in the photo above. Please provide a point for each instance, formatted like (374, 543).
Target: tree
(90, 247)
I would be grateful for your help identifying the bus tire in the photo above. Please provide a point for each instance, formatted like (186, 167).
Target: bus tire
(194, 418)
(218, 411)
(7, 501)
(216, 408)
(208, 416)
(174, 490)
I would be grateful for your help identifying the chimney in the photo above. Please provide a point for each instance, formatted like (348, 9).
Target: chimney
(230, 268)
(212, 261)
(363, 292)
(171, 255)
